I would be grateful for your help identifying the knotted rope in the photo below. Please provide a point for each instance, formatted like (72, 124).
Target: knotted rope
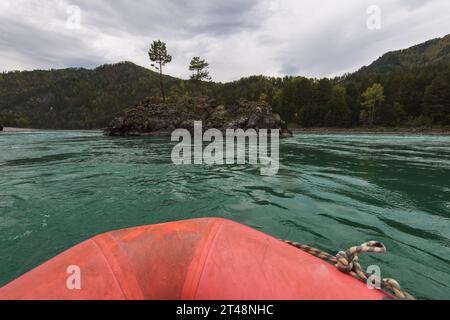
(348, 262)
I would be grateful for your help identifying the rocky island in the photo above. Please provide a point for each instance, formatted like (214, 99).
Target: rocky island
(149, 118)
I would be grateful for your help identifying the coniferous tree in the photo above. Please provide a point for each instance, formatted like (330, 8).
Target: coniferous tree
(200, 69)
(159, 55)
(437, 99)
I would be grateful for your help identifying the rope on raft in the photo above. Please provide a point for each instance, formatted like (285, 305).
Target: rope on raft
(348, 262)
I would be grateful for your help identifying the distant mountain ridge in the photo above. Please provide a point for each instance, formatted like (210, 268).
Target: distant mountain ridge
(436, 51)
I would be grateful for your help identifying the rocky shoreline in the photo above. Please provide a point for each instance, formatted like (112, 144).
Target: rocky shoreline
(149, 119)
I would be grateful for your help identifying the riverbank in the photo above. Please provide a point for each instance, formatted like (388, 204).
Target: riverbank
(18, 130)
(445, 131)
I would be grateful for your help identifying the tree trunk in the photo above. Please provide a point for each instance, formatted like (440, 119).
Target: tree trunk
(161, 82)
(371, 115)
(374, 108)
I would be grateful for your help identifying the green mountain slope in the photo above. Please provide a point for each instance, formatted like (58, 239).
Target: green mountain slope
(74, 98)
(432, 52)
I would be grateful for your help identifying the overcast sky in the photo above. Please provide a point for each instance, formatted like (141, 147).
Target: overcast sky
(313, 38)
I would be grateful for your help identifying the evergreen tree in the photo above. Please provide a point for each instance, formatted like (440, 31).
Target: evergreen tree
(158, 54)
(352, 98)
(437, 99)
(338, 114)
(200, 69)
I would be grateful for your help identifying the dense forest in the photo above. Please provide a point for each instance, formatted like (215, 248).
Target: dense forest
(409, 87)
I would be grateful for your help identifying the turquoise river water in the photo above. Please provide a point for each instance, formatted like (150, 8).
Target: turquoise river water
(58, 188)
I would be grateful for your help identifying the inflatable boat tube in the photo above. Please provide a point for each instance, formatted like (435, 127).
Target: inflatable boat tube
(200, 259)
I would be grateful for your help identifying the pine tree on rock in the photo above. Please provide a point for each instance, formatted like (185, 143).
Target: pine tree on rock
(159, 55)
(200, 69)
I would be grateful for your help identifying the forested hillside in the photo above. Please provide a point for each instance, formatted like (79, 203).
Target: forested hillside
(428, 53)
(74, 98)
(409, 87)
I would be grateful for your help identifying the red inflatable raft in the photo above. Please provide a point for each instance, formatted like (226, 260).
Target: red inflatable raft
(196, 259)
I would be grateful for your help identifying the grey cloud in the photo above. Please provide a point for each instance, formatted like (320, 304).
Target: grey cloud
(414, 4)
(238, 37)
(182, 18)
(44, 49)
